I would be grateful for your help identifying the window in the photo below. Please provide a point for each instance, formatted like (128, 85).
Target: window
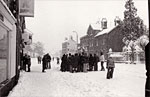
(96, 42)
(3, 54)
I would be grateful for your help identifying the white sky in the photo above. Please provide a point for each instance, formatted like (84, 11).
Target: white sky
(54, 20)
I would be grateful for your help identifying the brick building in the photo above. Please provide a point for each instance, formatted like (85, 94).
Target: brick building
(103, 38)
(87, 41)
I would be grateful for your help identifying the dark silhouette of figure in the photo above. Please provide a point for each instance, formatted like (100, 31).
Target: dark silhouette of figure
(44, 63)
(29, 63)
(110, 67)
(39, 59)
(48, 61)
(57, 60)
(91, 62)
(96, 60)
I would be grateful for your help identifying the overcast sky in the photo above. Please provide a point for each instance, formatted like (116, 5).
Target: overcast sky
(54, 20)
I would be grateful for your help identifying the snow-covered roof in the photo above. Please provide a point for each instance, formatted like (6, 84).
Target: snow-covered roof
(83, 36)
(105, 31)
(96, 26)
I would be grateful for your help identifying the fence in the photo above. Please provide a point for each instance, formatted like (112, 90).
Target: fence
(128, 57)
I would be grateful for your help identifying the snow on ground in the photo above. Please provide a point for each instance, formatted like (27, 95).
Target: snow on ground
(128, 81)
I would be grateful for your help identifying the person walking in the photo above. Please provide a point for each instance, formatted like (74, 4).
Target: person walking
(110, 67)
(102, 59)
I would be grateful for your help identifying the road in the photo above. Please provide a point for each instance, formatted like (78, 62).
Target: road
(128, 81)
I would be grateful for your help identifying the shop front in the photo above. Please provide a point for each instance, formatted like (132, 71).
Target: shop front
(7, 48)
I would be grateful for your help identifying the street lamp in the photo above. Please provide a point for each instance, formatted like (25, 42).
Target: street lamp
(76, 38)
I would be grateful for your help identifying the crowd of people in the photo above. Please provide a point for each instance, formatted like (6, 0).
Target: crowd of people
(46, 62)
(83, 63)
(26, 63)
(73, 63)
(79, 62)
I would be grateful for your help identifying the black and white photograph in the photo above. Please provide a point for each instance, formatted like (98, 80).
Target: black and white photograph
(74, 48)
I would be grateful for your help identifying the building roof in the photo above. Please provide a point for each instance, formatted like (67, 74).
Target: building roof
(96, 26)
(105, 31)
(84, 36)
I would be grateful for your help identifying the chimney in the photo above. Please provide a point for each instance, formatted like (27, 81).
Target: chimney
(71, 38)
(117, 21)
(104, 23)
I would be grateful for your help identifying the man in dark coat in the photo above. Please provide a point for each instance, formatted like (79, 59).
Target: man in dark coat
(48, 61)
(82, 61)
(85, 62)
(110, 67)
(147, 85)
(79, 63)
(75, 62)
(29, 63)
(91, 62)
(63, 62)
(96, 60)
(44, 63)
(25, 61)
(69, 62)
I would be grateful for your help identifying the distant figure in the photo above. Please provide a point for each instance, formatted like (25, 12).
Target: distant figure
(57, 60)
(48, 61)
(85, 62)
(44, 63)
(25, 61)
(102, 59)
(63, 63)
(110, 67)
(96, 60)
(29, 63)
(39, 59)
(91, 62)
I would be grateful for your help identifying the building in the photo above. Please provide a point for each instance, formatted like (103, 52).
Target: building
(101, 37)
(109, 39)
(12, 26)
(7, 48)
(87, 41)
(69, 46)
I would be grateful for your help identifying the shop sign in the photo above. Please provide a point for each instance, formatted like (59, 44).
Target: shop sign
(26, 8)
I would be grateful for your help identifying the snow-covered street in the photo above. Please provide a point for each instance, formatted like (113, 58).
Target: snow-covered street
(128, 81)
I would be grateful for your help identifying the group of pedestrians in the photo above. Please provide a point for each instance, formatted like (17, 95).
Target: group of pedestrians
(83, 63)
(46, 62)
(79, 62)
(26, 62)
